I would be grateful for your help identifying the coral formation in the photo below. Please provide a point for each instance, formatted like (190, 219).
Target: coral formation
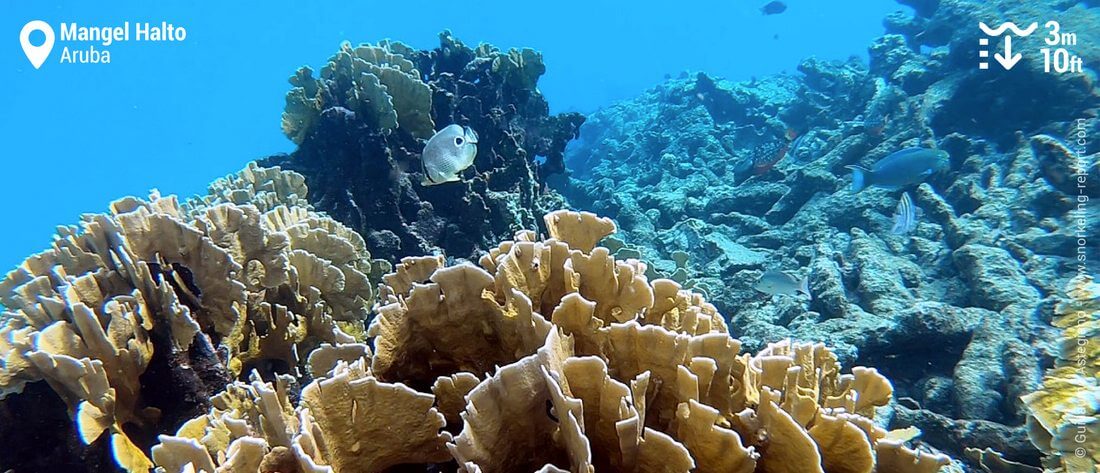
(138, 317)
(1064, 413)
(750, 176)
(626, 374)
(361, 126)
(144, 323)
(250, 330)
(263, 188)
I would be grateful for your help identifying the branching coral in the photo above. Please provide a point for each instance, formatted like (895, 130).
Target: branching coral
(89, 312)
(626, 374)
(549, 355)
(254, 427)
(1064, 419)
(303, 105)
(520, 67)
(264, 188)
(121, 318)
(384, 86)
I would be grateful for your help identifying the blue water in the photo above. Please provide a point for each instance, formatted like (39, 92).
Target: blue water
(176, 115)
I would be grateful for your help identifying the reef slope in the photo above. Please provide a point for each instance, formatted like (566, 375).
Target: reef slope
(715, 182)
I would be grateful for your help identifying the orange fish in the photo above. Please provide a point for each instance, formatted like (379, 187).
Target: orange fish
(765, 157)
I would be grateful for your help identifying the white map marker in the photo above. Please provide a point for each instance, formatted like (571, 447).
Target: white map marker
(37, 54)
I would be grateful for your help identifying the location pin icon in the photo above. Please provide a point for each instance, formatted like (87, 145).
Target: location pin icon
(36, 54)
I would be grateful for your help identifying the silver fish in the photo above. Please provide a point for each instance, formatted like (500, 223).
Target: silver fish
(447, 153)
(899, 169)
(905, 217)
(778, 282)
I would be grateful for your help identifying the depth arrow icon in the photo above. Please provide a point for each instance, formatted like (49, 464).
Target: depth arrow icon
(1007, 59)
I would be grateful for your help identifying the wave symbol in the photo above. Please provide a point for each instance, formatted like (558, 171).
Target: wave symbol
(1008, 25)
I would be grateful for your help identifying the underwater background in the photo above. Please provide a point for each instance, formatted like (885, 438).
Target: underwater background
(712, 236)
(145, 107)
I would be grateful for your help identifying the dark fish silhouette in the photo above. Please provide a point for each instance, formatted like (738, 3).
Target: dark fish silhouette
(773, 8)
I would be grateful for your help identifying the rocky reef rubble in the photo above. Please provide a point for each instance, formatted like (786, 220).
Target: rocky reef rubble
(991, 103)
(361, 124)
(715, 182)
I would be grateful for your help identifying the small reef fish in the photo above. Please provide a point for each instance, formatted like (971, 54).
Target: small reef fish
(774, 282)
(447, 153)
(878, 111)
(905, 217)
(797, 146)
(875, 124)
(806, 147)
(765, 157)
(773, 8)
(899, 169)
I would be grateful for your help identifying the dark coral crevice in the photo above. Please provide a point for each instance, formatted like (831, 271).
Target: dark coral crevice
(369, 178)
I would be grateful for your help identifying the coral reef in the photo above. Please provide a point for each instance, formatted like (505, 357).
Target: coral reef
(139, 322)
(263, 188)
(1064, 413)
(251, 330)
(746, 177)
(626, 374)
(135, 319)
(361, 126)
(990, 103)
